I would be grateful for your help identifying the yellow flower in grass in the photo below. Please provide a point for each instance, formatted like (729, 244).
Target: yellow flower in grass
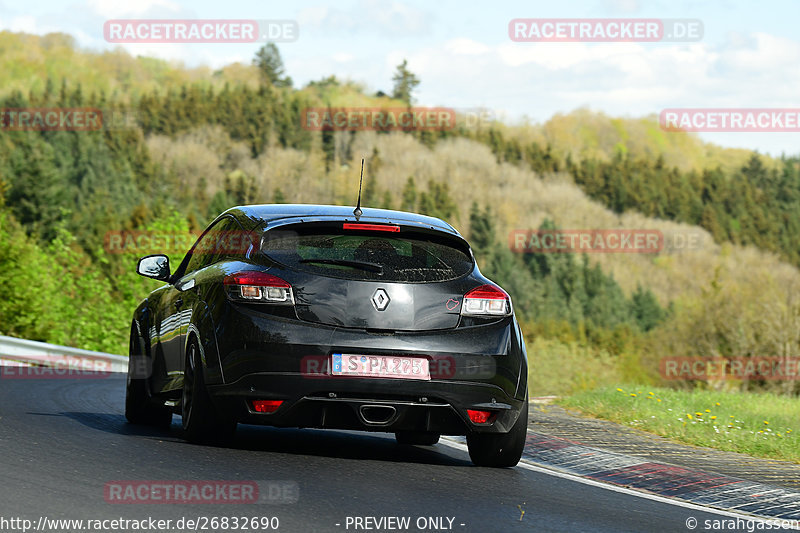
(713, 418)
(650, 393)
(633, 395)
(658, 399)
(766, 423)
(689, 416)
(698, 414)
(708, 410)
(788, 431)
(619, 390)
(717, 404)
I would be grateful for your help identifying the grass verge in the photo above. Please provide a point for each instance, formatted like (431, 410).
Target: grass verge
(757, 424)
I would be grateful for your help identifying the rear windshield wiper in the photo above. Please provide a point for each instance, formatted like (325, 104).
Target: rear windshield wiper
(363, 265)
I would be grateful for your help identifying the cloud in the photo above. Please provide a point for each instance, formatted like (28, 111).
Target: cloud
(140, 8)
(634, 79)
(465, 47)
(391, 18)
(759, 52)
(623, 6)
(21, 23)
(343, 57)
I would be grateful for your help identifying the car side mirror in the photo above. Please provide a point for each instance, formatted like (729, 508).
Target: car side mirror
(154, 266)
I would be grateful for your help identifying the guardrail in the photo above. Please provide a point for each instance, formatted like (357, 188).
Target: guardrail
(22, 352)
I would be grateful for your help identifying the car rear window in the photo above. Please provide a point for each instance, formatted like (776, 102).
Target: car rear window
(398, 257)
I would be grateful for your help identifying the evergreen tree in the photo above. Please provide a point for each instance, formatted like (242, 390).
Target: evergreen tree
(328, 145)
(409, 199)
(270, 65)
(404, 83)
(481, 229)
(370, 194)
(646, 310)
(386, 202)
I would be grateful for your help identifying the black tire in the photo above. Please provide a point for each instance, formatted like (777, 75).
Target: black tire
(418, 438)
(202, 422)
(140, 408)
(500, 450)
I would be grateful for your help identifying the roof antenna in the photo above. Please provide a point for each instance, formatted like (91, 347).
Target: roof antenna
(357, 211)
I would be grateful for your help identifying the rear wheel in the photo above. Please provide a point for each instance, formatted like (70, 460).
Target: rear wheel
(140, 408)
(419, 438)
(202, 422)
(500, 450)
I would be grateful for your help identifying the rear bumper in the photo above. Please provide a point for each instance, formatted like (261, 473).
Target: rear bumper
(252, 342)
(264, 357)
(386, 405)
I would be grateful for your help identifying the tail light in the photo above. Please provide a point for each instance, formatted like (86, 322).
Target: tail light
(266, 406)
(481, 417)
(258, 287)
(486, 300)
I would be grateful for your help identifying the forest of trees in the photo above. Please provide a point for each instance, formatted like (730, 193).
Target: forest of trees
(191, 150)
(755, 204)
(74, 186)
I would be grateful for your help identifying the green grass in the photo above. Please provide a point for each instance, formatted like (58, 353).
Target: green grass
(761, 425)
(562, 368)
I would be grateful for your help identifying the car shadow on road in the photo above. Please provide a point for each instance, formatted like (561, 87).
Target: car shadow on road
(341, 445)
(310, 442)
(117, 424)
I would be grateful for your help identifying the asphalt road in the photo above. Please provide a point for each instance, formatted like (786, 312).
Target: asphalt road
(63, 440)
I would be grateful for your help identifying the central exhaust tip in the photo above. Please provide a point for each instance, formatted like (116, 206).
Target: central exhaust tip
(377, 414)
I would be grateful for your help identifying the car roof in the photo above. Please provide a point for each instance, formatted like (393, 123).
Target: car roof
(267, 215)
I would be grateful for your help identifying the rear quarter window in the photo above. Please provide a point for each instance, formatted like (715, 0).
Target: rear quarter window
(396, 257)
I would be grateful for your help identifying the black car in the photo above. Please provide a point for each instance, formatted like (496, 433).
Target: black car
(310, 316)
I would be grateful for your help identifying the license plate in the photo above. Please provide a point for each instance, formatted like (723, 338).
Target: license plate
(380, 366)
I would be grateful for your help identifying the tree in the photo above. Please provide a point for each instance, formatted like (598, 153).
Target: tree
(220, 202)
(3, 189)
(387, 203)
(404, 83)
(269, 63)
(241, 187)
(481, 229)
(443, 205)
(646, 311)
(370, 195)
(409, 199)
(329, 144)
(325, 83)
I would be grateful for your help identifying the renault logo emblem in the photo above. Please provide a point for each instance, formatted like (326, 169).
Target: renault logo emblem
(380, 299)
